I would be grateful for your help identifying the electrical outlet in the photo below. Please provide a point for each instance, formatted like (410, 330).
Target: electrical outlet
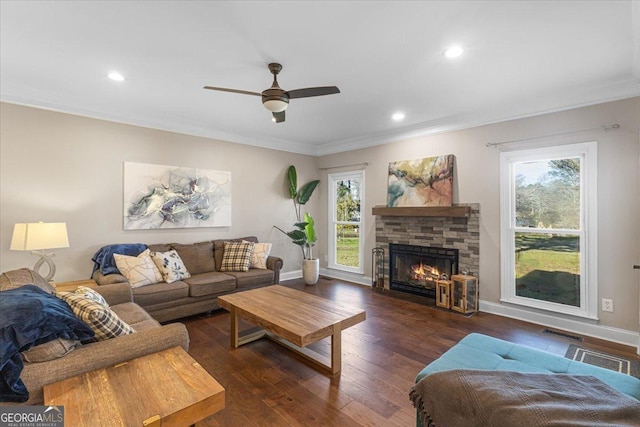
(326, 258)
(607, 305)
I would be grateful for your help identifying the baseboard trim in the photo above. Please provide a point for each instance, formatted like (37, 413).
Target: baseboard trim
(290, 275)
(343, 275)
(608, 333)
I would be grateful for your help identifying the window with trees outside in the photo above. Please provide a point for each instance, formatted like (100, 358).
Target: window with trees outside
(548, 234)
(346, 202)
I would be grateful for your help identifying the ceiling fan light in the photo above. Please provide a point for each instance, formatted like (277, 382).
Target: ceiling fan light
(275, 105)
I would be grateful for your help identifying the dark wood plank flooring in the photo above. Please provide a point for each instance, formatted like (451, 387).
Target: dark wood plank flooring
(268, 385)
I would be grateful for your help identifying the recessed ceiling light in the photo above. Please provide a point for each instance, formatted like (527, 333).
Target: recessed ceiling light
(116, 76)
(453, 52)
(397, 117)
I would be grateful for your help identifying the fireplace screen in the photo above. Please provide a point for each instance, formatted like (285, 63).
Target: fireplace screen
(415, 269)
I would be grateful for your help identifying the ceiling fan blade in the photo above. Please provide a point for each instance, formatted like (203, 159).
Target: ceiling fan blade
(244, 92)
(279, 117)
(312, 91)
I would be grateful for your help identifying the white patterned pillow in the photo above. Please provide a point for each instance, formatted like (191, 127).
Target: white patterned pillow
(259, 255)
(91, 294)
(139, 270)
(102, 320)
(237, 256)
(170, 265)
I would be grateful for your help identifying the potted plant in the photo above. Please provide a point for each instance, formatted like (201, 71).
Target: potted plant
(305, 234)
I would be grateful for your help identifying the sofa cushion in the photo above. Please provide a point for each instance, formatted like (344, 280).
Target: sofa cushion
(131, 313)
(210, 283)
(49, 351)
(103, 321)
(253, 277)
(160, 247)
(170, 265)
(24, 276)
(139, 270)
(160, 293)
(197, 257)
(237, 256)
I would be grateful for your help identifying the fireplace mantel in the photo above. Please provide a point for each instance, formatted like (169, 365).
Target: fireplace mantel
(441, 211)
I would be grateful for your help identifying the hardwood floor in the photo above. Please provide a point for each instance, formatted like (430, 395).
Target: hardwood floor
(268, 385)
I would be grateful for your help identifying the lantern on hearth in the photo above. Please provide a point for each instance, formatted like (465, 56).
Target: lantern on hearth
(464, 293)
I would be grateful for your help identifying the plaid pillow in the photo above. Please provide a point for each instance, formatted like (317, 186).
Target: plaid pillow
(92, 295)
(102, 320)
(237, 256)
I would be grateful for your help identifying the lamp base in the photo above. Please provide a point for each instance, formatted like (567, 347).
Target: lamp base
(45, 259)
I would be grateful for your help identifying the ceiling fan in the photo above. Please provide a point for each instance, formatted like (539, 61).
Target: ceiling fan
(276, 99)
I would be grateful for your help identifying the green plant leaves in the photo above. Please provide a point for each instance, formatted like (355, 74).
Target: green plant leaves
(292, 176)
(306, 191)
(298, 237)
(309, 228)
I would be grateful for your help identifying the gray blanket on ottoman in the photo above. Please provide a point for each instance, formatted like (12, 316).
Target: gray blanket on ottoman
(500, 398)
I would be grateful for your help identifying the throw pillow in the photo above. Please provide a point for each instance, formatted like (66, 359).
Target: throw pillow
(170, 265)
(260, 254)
(139, 270)
(237, 256)
(92, 295)
(103, 321)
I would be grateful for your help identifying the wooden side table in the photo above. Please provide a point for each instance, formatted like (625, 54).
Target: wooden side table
(72, 286)
(167, 388)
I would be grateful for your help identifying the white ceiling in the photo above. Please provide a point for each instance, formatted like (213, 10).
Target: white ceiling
(521, 58)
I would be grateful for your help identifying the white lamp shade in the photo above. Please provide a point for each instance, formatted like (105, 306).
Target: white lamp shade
(275, 105)
(39, 235)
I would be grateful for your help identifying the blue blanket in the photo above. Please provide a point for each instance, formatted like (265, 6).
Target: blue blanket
(103, 259)
(30, 316)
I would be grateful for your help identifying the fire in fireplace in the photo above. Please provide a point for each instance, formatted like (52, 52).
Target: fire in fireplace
(415, 269)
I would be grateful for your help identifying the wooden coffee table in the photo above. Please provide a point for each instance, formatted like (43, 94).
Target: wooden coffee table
(292, 318)
(168, 388)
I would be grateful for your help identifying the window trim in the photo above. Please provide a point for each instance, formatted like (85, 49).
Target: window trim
(331, 220)
(588, 229)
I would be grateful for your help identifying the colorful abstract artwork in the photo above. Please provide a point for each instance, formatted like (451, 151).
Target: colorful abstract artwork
(159, 196)
(421, 182)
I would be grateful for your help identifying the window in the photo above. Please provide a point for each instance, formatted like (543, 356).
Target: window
(548, 228)
(346, 202)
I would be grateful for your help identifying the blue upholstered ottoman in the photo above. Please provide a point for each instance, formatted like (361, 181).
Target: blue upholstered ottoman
(477, 351)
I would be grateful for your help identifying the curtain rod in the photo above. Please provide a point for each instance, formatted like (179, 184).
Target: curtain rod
(604, 128)
(343, 166)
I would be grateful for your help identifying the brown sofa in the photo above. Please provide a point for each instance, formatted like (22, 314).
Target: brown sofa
(199, 293)
(149, 337)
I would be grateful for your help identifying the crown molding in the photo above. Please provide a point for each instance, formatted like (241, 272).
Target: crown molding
(583, 97)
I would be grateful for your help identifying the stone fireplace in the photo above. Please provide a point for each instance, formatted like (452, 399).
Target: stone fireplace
(444, 239)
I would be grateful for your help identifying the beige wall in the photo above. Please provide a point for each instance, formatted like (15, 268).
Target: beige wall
(58, 167)
(477, 181)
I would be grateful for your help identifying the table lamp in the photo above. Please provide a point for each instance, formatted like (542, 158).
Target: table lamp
(37, 237)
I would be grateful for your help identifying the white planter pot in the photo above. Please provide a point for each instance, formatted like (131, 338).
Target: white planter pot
(310, 271)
